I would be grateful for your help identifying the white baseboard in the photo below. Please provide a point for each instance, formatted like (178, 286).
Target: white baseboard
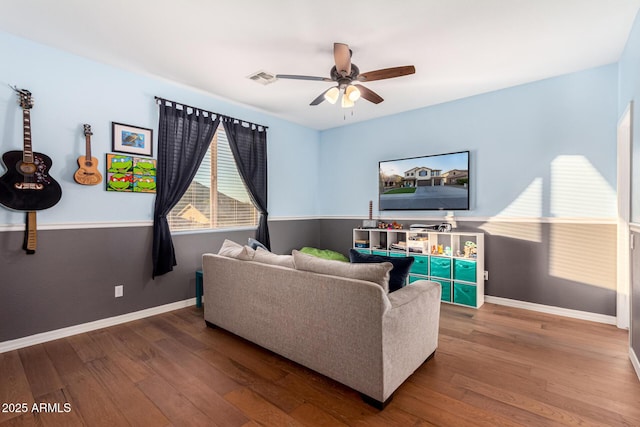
(92, 326)
(124, 318)
(634, 361)
(566, 312)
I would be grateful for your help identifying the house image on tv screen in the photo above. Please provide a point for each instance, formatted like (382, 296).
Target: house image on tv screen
(456, 176)
(421, 176)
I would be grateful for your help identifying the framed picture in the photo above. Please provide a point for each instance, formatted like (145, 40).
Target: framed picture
(132, 139)
(130, 174)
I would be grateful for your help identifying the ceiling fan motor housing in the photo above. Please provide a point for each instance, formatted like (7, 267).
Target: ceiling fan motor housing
(346, 80)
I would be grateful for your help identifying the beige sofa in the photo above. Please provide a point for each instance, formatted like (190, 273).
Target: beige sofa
(347, 329)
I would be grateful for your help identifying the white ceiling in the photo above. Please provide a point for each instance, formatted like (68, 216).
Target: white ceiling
(459, 47)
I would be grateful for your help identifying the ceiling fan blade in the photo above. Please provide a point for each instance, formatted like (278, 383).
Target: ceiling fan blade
(320, 98)
(386, 73)
(295, 77)
(342, 57)
(369, 95)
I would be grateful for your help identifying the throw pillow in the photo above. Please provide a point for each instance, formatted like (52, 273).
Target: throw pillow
(399, 273)
(235, 250)
(266, 257)
(254, 244)
(324, 253)
(376, 273)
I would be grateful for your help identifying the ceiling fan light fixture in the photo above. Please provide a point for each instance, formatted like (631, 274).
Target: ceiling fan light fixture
(346, 102)
(332, 95)
(352, 93)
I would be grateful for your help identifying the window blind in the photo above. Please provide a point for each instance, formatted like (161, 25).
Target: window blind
(217, 197)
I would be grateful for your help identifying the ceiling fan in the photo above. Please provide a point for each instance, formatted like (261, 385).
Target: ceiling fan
(344, 73)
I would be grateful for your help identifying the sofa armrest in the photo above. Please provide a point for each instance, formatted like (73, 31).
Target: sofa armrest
(410, 331)
(408, 294)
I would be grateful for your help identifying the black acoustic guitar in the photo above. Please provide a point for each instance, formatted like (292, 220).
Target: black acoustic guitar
(27, 186)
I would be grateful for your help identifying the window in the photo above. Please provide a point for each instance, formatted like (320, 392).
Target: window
(217, 197)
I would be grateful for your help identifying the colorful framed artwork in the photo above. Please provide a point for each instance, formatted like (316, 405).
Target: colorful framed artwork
(132, 139)
(130, 174)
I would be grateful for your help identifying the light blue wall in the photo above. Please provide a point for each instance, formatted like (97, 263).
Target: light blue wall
(69, 90)
(532, 146)
(545, 149)
(629, 79)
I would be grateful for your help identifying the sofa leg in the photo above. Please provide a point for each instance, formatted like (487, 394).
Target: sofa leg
(381, 405)
(210, 325)
(375, 403)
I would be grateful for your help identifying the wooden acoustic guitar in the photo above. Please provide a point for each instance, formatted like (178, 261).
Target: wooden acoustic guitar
(87, 173)
(27, 186)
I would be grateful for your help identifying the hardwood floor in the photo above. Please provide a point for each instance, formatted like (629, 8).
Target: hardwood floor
(496, 366)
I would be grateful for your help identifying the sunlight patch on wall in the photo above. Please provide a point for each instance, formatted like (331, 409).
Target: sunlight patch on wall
(531, 231)
(527, 205)
(584, 253)
(579, 190)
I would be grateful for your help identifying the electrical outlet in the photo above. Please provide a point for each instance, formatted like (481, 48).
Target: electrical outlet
(119, 291)
(486, 275)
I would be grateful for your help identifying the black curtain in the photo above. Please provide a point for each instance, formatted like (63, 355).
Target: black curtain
(184, 135)
(248, 144)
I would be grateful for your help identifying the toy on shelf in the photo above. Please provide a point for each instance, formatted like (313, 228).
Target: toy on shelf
(389, 225)
(470, 249)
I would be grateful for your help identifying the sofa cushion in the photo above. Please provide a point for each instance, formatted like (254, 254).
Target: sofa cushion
(324, 253)
(266, 257)
(235, 250)
(376, 273)
(397, 276)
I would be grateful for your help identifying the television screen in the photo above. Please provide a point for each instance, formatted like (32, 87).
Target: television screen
(436, 182)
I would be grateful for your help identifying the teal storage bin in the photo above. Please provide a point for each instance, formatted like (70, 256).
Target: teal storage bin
(363, 251)
(379, 252)
(413, 278)
(420, 265)
(445, 285)
(397, 254)
(464, 294)
(446, 290)
(440, 267)
(464, 270)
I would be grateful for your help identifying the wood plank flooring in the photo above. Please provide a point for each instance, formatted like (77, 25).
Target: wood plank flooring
(496, 366)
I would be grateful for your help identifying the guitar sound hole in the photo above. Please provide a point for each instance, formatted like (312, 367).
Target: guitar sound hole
(88, 164)
(27, 168)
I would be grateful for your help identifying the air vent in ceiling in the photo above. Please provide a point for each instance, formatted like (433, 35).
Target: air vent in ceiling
(263, 77)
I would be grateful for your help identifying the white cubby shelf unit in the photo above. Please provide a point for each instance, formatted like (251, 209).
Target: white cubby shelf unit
(438, 256)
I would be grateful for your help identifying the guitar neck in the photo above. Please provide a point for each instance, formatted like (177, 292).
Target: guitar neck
(30, 233)
(88, 146)
(27, 155)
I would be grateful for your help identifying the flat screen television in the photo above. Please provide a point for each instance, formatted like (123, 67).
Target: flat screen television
(434, 182)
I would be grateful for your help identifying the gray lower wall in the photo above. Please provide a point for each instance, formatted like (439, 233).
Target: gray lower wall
(71, 278)
(568, 265)
(635, 295)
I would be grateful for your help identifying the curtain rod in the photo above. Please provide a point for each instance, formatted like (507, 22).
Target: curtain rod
(209, 112)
